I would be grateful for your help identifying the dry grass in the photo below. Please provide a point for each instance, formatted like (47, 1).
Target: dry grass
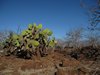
(42, 66)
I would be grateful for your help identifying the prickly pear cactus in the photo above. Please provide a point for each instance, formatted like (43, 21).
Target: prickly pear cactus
(32, 39)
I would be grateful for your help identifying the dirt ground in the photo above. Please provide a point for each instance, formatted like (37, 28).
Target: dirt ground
(53, 64)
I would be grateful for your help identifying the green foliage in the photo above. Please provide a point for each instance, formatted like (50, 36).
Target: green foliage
(39, 26)
(36, 36)
(46, 33)
(34, 25)
(52, 42)
(34, 43)
(15, 37)
(30, 26)
(17, 44)
(24, 33)
(1, 44)
(33, 37)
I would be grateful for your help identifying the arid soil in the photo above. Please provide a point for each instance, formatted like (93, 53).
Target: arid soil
(53, 64)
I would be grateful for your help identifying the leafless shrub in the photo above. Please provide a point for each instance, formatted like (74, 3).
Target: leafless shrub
(74, 37)
(4, 35)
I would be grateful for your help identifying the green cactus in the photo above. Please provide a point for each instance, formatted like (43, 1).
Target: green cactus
(15, 37)
(17, 44)
(46, 32)
(30, 26)
(34, 25)
(39, 26)
(52, 42)
(24, 32)
(32, 38)
(36, 36)
(34, 43)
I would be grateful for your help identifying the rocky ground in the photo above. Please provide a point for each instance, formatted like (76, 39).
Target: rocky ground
(53, 64)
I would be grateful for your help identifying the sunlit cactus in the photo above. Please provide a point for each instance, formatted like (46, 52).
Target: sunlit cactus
(33, 39)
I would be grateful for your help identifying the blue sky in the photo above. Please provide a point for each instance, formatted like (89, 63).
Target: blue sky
(60, 16)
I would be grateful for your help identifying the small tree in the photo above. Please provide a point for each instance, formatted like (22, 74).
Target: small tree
(94, 24)
(60, 44)
(95, 17)
(74, 38)
(93, 39)
(93, 13)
